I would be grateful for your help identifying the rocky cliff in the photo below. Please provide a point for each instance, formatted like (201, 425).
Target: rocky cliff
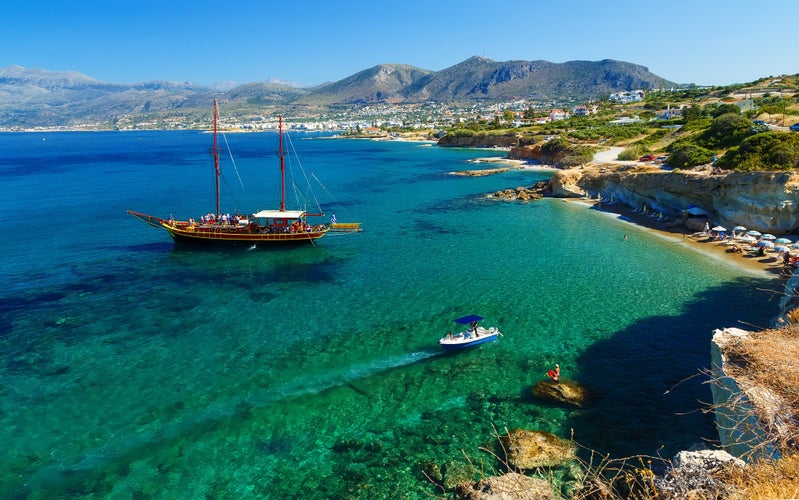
(751, 416)
(765, 201)
(741, 408)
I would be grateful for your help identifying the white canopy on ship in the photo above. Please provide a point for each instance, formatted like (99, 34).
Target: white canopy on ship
(277, 214)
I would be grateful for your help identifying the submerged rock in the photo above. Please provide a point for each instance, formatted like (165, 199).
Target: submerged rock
(530, 449)
(508, 486)
(564, 391)
(454, 473)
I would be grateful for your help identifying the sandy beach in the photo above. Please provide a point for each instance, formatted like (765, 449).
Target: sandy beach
(768, 266)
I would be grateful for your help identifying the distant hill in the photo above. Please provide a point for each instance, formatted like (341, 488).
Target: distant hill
(382, 83)
(484, 79)
(36, 97)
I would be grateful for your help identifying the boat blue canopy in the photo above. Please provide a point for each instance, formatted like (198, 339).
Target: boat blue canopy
(468, 319)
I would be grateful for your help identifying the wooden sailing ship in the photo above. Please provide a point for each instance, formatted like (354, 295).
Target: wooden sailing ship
(261, 228)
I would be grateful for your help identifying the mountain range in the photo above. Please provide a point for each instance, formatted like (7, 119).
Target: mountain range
(37, 97)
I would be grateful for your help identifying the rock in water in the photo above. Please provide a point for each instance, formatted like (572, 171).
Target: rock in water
(510, 486)
(530, 449)
(565, 391)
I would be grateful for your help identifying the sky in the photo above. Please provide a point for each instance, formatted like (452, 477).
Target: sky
(308, 42)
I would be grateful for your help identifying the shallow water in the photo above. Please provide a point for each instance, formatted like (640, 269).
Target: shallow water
(130, 367)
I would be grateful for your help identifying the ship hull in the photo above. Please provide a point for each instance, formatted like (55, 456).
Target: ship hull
(212, 238)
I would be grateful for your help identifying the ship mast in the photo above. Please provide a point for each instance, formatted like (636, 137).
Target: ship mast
(215, 152)
(282, 154)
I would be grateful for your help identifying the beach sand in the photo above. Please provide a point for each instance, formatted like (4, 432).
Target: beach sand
(766, 266)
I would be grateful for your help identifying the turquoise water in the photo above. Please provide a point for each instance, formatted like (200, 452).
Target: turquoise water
(132, 368)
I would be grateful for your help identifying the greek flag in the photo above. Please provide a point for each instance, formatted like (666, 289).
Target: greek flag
(333, 219)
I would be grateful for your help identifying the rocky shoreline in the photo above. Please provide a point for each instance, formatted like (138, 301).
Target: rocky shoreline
(764, 201)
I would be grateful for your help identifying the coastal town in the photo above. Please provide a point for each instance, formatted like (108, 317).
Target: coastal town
(382, 119)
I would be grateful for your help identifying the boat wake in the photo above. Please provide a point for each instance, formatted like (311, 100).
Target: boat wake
(208, 416)
(320, 384)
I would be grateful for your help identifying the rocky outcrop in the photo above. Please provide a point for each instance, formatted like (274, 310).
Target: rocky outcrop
(741, 431)
(530, 152)
(481, 172)
(519, 194)
(564, 391)
(765, 201)
(530, 449)
(707, 460)
(695, 474)
(510, 486)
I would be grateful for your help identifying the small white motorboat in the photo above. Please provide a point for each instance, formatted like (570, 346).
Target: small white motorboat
(472, 336)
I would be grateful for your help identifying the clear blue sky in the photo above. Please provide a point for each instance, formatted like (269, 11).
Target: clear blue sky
(311, 42)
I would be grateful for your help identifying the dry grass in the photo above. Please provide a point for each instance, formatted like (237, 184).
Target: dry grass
(767, 479)
(770, 359)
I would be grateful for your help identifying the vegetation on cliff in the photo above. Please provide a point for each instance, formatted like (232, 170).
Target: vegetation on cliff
(725, 123)
(741, 144)
(560, 151)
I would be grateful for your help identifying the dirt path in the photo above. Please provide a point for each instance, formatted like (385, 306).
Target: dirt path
(611, 156)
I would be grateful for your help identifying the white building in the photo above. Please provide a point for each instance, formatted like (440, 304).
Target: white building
(627, 97)
(584, 110)
(558, 114)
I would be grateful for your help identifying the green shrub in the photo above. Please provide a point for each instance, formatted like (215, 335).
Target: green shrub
(766, 151)
(689, 155)
(578, 156)
(560, 151)
(463, 132)
(727, 130)
(633, 152)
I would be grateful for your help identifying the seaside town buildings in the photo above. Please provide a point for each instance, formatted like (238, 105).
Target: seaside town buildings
(418, 116)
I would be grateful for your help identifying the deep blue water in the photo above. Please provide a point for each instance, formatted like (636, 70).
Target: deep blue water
(130, 367)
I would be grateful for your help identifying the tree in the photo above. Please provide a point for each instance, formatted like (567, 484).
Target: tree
(690, 155)
(718, 110)
(692, 113)
(727, 130)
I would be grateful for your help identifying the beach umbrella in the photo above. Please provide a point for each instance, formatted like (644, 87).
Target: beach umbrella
(795, 245)
(754, 233)
(720, 229)
(748, 239)
(770, 237)
(781, 249)
(739, 228)
(782, 241)
(766, 244)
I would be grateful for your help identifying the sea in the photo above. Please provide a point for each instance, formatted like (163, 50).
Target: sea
(131, 368)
